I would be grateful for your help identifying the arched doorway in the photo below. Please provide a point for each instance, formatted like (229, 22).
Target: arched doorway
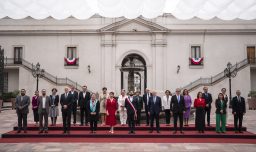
(133, 73)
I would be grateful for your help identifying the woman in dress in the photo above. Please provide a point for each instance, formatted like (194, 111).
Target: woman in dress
(111, 111)
(188, 103)
(200, 104)
(35, 107)
(103, 99)
(54, 110)
(221, 110)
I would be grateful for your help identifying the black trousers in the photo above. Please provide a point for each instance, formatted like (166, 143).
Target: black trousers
(43, 116)
(36, 116)
(22, 119)
(74, 110)
(167, 116)
(138, 116)
(93, 122)
(200, 119)
(147, 116)
(84, 115)
(66, 116)
(131, 121)
(238, 119)
(208, 113)
(175, 120)
(153, 116)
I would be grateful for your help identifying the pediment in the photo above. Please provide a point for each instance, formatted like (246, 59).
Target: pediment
(133, 25)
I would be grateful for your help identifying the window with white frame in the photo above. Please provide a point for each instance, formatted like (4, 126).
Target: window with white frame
(196, 55)
(71, 58)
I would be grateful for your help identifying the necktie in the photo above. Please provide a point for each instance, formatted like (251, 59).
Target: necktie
(178, 99)
(154, 99)
(66, 95)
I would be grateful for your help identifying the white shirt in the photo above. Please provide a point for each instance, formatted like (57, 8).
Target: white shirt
(44, 101)
(84, 93)
(166, 103)
(148, 95)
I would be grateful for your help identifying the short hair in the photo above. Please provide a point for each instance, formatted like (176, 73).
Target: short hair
(22, 90)
(167, 91)
(44, 90)
(222, 96)
(111, 92)
(199, 94)
(54, 89)
(223, 89)
(104, 88)
(184, 91)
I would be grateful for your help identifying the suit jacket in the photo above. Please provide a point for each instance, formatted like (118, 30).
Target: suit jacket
(208, 99)
(238, 107)
(56, 100)
(177, 107)
(218, 106)
(129, 107)
(40, 104)
(75, 97)
(24, 103)
(145, 100)
(82, 102)
(155, 107)
(97, 110)
(66, 101)
(139, 100)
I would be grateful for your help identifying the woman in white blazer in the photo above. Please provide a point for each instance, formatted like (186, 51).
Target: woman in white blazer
(166, 101)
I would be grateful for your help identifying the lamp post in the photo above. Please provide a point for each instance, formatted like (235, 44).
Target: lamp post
(37, 73)
(230, 72)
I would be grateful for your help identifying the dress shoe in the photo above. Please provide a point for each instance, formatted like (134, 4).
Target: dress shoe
(150, 131)
(181, 132)
(64, 132)
(94, 132)
(130, 132)
(203, 131)
(18, 131)
(25, 131)
(158, 131)
(133, 132)
(236, 131)
(41, 131)
(46, 131)
(174, 132)
(241, 132)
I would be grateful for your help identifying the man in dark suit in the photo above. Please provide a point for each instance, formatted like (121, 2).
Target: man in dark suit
(178, 109)
(154, 109)
(146, 97)
(208, 100)
(131, 106)
(139, 100)
(238, 110)
(74, 105)
(22, 102)
(83, 99)
(66, 101)
(43, 111)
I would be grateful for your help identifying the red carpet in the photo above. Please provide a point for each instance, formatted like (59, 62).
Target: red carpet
(82, 134)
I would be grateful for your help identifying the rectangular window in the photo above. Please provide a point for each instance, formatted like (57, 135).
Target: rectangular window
(71, 56)
(195, 52)
(71, 52)
(18, 51)
(196, 58)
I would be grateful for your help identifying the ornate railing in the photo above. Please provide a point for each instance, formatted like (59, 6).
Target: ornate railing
(54, 79)
(217, 78)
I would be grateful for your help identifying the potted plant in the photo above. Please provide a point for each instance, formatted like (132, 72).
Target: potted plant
(252, 100)
(10, 97)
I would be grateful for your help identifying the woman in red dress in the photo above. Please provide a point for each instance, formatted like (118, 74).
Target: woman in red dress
(111, 110)
(200, 104)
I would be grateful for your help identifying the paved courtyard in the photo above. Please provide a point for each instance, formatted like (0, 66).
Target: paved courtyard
(8, 120)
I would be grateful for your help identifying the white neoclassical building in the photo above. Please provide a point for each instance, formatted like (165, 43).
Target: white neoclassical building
(161, 53)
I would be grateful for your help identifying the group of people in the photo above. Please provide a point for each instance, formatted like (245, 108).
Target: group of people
(105, 107)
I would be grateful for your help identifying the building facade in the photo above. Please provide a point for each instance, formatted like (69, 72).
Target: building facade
(161, 53)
